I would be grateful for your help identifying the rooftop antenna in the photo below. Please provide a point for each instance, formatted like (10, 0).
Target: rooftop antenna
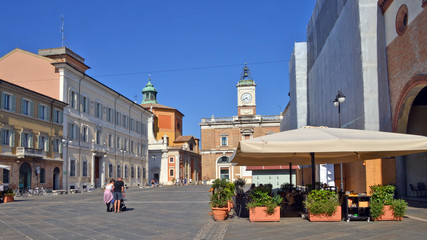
(62, 30)
(136, 98)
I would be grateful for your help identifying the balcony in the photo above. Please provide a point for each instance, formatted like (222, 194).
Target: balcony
(23, 152)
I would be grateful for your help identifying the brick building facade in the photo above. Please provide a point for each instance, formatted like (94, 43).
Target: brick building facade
(220, 136)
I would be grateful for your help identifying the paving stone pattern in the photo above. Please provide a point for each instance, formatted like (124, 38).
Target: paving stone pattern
(171, 213)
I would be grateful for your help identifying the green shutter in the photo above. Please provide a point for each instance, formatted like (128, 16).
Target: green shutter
(30, 144)
(88, 105)
(47, 113)
(39, 111)
(61, 117)
(55, 117)
(47, 144)
(12, 138)
(31, 108)
(22, 139)
(13, 103)
(22, 106)
(1, 136)
(2, 100)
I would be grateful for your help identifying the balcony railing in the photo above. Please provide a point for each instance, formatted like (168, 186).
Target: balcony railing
(22, 152)
(268, 118)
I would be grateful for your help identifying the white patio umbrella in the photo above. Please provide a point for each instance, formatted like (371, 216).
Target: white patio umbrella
(5, 166)
(322, 145)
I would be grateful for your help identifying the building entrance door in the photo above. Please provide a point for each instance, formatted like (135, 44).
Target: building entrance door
(97, 179)
(55, 179)
(25, 176)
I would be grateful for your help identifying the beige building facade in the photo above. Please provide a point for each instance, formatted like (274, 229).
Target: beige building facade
(31, 131)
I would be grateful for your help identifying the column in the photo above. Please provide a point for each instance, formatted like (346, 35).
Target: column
(103, 171)
(92, 175)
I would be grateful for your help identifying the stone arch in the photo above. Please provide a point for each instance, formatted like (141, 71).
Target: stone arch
(404, 105)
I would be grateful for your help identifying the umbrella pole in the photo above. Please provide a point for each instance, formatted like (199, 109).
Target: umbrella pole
(290, 174)
(313, 172)
(342, 184)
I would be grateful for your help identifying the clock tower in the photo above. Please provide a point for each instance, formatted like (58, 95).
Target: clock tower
(246, 105)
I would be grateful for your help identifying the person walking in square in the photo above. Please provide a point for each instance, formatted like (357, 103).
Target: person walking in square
(108, 195)
(118, 193)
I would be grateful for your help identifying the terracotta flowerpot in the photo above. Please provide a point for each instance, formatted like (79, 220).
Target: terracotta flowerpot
(219, 214)
(336, 217)
(8, 198)
(388, 215)
(259, 214)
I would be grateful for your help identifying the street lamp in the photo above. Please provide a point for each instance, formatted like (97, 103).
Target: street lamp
(340, 98)
(66, 141)
(123, 162)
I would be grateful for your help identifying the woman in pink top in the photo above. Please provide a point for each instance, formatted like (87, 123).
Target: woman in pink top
(108, 194)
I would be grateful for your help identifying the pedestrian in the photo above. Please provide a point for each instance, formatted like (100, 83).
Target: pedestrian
(108, 195)
(119, 193)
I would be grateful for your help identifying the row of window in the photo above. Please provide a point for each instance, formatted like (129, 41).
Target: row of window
(121, 142)
(112, 116)
(7, 137)
(42, 176)
(8, 103)
(84, 172)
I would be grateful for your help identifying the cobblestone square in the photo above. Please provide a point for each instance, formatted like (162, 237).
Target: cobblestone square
(171, 213)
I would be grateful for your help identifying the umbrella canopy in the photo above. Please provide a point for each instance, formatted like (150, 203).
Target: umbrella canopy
(5, 167)
(330, 145)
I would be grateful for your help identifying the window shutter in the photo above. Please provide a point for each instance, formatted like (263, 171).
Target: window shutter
(47, 144)
(88, 105)
(39, 108)
(31, 108)
(77, 132)
(30, 144)
(13, 108)
(81, 103)
(2, 100)
(61, 117)
(60, 148)
(1, 136)
(69, 130)
(22, 139)
(22, 106)
(38, 141)
(12, 138)
(55, 116)
(47, 117)
(100, 111)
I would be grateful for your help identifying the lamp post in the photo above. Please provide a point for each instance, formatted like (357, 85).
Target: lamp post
(123, 162)
(340, 98)
(66, 141)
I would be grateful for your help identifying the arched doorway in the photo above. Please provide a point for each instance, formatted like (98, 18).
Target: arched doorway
(25, 176)
(56, 178)
(416, 164)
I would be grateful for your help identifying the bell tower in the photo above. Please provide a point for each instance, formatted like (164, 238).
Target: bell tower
(246, 105)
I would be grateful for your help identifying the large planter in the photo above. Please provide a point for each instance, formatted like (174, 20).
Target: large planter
(259, 214)
(336, 217)
(8, 198)
(388, 215)
(219, 214)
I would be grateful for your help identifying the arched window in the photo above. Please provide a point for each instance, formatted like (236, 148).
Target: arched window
(223, 159)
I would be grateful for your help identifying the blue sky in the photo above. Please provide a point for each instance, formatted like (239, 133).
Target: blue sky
(194, 50)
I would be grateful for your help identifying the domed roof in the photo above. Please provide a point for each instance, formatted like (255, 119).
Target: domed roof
(149, 87)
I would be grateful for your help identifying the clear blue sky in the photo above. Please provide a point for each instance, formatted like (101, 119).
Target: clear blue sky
(195, 50)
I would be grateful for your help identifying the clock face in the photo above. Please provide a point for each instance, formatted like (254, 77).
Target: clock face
(246, 97)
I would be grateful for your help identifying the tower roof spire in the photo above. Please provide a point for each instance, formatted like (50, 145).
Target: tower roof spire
(246, 77)
(149, 93)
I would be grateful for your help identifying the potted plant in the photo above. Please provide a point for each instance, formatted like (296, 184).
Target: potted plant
(240, 185)
(221, 194)
(263, 207)
(8, 195)
(323, 206)
(383, 206)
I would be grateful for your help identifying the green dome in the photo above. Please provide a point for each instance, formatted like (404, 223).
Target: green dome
(149, 93)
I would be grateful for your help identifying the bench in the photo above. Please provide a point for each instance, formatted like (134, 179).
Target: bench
(57, 192)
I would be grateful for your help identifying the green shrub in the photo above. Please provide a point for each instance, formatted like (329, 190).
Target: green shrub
(322, 202)
(222, 192)
(240, 184)
(399, 207)
(377, 209)
(383, 194)
(261, 197)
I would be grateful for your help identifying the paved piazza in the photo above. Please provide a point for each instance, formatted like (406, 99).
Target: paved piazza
(171, 213)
